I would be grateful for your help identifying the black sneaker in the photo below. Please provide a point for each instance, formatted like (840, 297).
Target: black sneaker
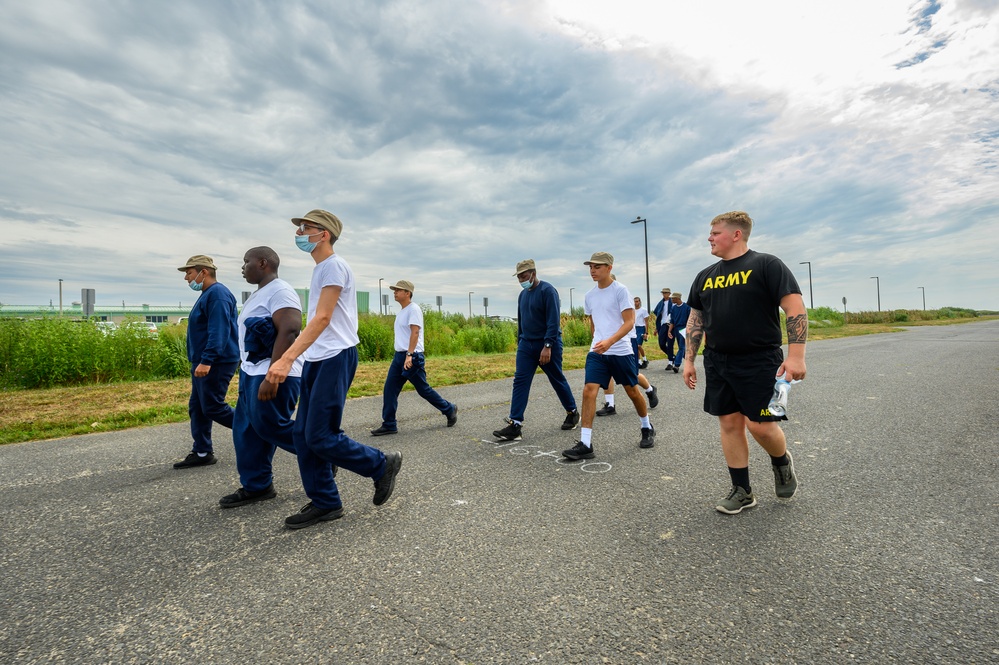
(241, 497)
(579, 451)
(653, 398)
(643, 364)
(648, 437)
(385, 484)
(511, 432)
(382, 431)
(676, 369)
(607, 410)
(452, 417)
(193, 459)
(571, 420)
(310, 515)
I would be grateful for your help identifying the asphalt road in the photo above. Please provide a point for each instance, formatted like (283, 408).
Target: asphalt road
(505, 554)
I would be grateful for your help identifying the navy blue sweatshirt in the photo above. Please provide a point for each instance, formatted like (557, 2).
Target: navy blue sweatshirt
(538, 314)
(211, 328)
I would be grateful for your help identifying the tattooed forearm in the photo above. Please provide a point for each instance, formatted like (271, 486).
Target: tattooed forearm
(797, 329)
(695, 334)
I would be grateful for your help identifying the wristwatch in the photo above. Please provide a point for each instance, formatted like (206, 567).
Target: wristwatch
(548, 345)
(410, 354)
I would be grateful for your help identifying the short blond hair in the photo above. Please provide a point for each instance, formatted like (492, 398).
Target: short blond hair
(737, 219)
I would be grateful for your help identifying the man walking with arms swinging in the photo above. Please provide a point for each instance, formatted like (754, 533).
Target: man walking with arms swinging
(733, 303)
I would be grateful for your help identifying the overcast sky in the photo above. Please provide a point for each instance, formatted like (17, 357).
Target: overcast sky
(456, 137)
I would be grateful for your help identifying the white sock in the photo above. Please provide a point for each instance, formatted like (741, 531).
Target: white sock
(202, 454)
(645, 422)
(609, 398)
(650, 388)
(585, 435)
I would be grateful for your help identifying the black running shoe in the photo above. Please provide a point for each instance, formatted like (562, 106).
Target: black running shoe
(571, 420)
(579, 451)
(607, 410)
(511, 432)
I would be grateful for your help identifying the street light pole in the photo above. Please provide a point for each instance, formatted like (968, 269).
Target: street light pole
(380, 280)
(878, 282)
(645, 225)
(60, 297)
(924, 296)
(470, 303)
(570, 301)
(811, 296)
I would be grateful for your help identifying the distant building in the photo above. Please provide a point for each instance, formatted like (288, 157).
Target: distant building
(152, 313)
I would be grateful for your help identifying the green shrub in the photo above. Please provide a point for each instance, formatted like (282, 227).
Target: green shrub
(575, 332)
(825, 317)
(40, 353)
(377, 337)
(171, 352)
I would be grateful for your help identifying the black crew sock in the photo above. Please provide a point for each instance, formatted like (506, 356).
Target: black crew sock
(740, 477)
(780, 461)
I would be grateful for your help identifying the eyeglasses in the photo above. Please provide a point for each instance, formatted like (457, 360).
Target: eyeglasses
(304, 228)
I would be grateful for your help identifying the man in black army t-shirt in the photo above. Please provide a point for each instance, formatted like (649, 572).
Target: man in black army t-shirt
(734, 304)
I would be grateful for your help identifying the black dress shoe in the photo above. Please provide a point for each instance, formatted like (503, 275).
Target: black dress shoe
(193, 459)
(382, 431)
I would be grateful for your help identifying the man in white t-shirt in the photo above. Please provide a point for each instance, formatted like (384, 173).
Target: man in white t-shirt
(328, 345)
(612, 322)
(268, 324)
(408, 363)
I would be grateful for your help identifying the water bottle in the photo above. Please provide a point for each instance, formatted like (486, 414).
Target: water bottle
(778, 403)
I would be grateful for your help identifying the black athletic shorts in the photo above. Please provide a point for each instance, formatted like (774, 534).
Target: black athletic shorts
(741, 383)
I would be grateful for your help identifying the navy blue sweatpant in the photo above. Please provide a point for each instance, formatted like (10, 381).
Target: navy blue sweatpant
(258, 428)
(207, 404)
(319, 440)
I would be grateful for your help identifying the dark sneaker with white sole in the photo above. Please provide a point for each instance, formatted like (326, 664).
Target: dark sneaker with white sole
(242, 497)
(511, 432)
(310, 515)
(579, 451)
(452, 417)
(736, 501)
(785, 482)
(571, 420)
(648, 437)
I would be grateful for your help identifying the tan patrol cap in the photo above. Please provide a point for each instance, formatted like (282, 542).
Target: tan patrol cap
(322, 219)
(526, 264)
(600, 259)
(403, 285)
(198, 260)
(677, 294)
(665, 290)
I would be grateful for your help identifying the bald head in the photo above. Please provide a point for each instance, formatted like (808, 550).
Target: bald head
(265, 254)
(260, 265)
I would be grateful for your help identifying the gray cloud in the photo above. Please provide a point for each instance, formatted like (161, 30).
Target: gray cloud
(453, 141)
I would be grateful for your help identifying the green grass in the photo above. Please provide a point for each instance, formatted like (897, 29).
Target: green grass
(45, 413)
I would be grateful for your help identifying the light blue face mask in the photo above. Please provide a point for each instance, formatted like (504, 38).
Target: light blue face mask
(304, 244)
(526, 285)
(195, 286)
